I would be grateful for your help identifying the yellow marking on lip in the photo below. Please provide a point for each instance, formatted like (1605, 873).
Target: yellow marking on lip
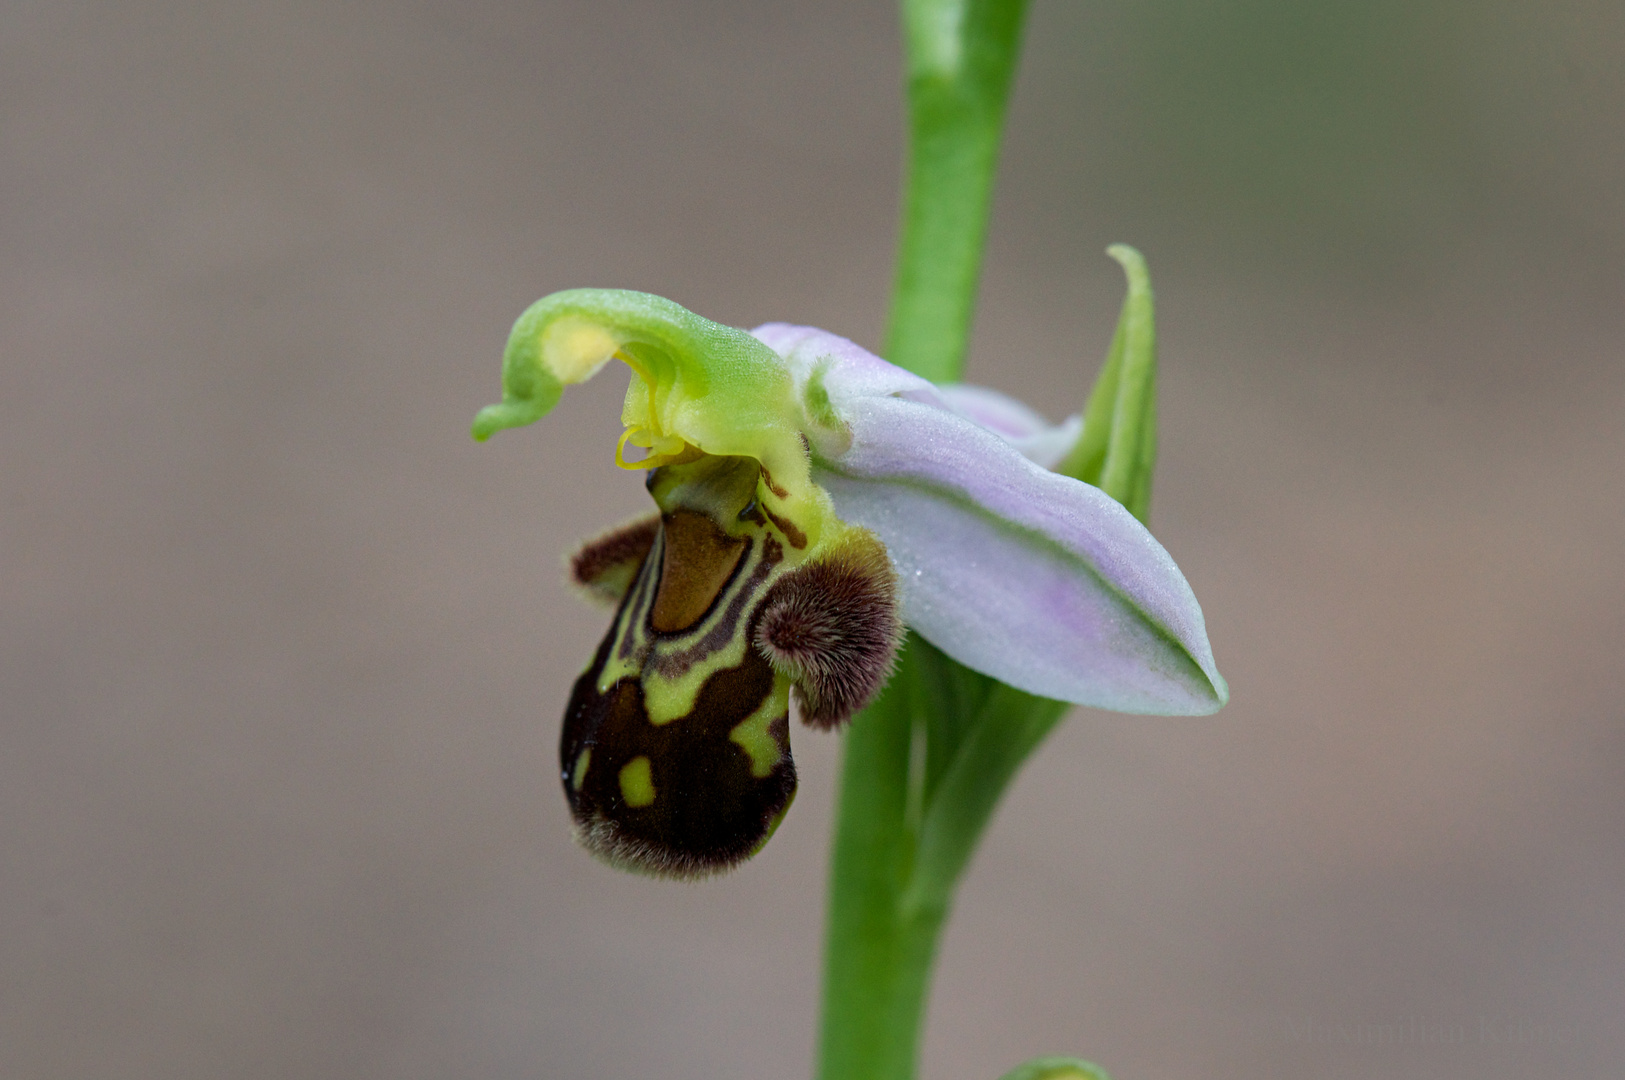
(665, 700)
(637, 783)
(752, 735)
(578, 775)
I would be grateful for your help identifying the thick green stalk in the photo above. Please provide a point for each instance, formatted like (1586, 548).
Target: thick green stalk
(878, 957)
(923, 770)
(885, 914)
(961, 56)
(924, 767)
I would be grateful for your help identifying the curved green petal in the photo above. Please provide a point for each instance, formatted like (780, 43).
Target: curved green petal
(701, 387)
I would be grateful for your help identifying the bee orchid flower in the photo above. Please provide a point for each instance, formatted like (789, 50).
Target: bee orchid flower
(812, 500)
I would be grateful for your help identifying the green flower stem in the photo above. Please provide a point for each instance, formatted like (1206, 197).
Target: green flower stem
(899, 851)
(878, 956)
(961, 57)
(924, 767)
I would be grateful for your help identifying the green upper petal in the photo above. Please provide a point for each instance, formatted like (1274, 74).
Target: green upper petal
(699, 384)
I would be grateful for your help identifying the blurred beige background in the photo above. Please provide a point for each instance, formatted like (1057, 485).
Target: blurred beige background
(284, 652)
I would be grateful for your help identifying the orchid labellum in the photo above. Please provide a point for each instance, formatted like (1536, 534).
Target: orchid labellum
(812, 501)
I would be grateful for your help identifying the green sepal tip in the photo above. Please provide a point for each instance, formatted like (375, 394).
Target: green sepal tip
(1118, 449)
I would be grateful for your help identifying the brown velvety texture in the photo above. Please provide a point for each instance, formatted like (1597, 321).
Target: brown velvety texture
(605, 566)
(833, 627)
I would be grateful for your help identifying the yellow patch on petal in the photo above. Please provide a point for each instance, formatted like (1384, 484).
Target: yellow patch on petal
(752, 735)
(574, 349)
(637, 784)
